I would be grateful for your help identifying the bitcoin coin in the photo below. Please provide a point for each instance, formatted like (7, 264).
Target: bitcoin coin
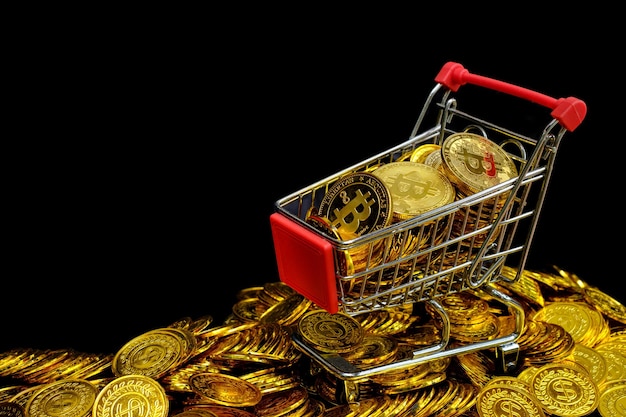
(357, 204)
(475, 163)
(131, 395)
(330, 332)
(415, 188)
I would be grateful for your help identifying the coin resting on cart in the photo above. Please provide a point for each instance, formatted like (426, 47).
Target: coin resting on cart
(424, 225)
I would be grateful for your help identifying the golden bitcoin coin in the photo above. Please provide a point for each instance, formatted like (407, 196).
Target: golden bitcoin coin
(330, 332)
(475, 163)
(223, 389)
(9, 409)
(131, 395)
(415, 188)
(357, 204)
(564, 390)
(64, 398)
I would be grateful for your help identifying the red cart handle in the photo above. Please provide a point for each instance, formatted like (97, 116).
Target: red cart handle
(570, 111)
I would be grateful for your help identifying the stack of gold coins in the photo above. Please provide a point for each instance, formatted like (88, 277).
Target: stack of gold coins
(571, 360)
(356, 204)
(473, 164)
(471, 319)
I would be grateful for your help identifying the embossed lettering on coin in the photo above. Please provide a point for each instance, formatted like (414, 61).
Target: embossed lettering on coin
(64, 398)
(330, 332)
(131, 395)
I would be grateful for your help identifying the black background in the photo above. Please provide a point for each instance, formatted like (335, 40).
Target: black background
(147, 166)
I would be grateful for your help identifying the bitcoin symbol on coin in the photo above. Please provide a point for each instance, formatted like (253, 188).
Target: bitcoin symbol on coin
(405, 186)
(357, 204)
(355, 211)
(479, 164)
(474, 163)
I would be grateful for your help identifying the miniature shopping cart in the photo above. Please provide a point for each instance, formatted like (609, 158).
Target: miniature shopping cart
(469, 255)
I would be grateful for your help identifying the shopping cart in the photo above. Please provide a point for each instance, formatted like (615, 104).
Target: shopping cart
(460, 245)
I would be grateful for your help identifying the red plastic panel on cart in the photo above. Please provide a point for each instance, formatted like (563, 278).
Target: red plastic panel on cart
(305, 262)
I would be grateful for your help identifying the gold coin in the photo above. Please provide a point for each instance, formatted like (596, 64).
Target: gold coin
(357, 204)
(195, 413)
(475, 162)
(330, 332)
(506, 400)
(360, 408)
(373, 349)
(9, 409)
(247, 310)
(592, 361)
(286, 311)
(613, 399)
(606, 304)
(616, 363)
(131, 395)
(281, 402)
(223, 389)
(200, 324)
(415, 188)
(24, 395)
(421, 152)
(151, 354)
(221, 410)
(575, 317)
(64, 398)
(564, 390)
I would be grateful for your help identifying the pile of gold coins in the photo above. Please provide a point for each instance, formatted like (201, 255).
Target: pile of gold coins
(420, 181)
(571, 360)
